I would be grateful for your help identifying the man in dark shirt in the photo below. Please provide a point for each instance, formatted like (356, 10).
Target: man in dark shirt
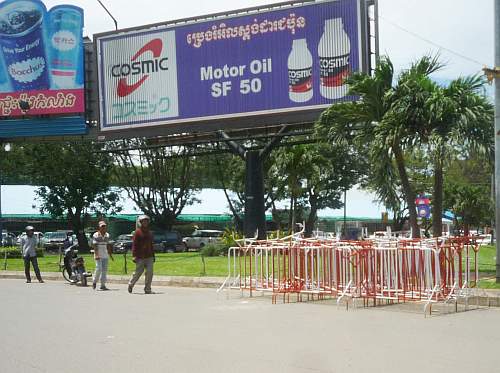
(143, 254)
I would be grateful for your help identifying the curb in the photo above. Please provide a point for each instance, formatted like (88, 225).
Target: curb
(490, 297)
(176, 281)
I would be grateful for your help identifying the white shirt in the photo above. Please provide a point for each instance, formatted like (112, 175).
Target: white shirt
(28, 246)
(100, 244)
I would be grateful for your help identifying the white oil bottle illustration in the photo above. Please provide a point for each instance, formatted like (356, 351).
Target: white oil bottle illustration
(334, 51)
(300, 63)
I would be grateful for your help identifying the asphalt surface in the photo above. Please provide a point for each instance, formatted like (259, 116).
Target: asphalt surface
(55, 327)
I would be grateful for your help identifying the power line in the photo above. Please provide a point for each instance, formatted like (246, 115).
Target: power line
(414, 34)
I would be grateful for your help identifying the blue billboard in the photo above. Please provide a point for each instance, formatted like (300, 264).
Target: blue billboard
(293, 58)
(41, 59)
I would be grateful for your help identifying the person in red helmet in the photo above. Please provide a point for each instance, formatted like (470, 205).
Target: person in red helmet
(143, 254)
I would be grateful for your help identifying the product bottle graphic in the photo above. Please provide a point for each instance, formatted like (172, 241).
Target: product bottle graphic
(4, 83)
(300, 64)
(334, 51)
(65, 27)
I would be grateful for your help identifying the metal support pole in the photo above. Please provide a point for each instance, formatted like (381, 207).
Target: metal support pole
(1, 217)
(497, 136)
(377, 40)
(255, 215)
(255, 211)
(109, 13)
(344, 226)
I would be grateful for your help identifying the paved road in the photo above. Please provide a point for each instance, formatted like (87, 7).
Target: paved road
(55, 327)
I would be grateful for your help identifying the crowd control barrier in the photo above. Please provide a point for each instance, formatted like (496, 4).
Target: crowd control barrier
(382, 270)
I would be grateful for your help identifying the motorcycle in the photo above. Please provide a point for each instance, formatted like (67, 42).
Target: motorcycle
(74, 267)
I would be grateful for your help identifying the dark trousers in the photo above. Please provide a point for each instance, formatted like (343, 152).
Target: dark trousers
(34, 261)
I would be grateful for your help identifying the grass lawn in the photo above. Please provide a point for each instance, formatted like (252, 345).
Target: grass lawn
(169, 264)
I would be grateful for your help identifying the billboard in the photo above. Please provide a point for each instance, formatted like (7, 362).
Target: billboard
(283, 60)
(41, 59)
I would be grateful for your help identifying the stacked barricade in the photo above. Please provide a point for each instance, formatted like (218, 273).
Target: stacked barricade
(388, 269)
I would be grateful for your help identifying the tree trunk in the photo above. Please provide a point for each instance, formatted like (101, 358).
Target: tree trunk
(276, 217)
(408, 191)
(437, 200)
(164, 221)
(78, 229)
(398, 222)
(311, 219)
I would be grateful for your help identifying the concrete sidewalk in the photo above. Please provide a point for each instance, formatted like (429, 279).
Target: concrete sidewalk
(177, 281)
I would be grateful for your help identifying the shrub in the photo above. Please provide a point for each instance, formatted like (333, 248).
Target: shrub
(211, 250)
(15, 252)
(229, 236)
(277, 234)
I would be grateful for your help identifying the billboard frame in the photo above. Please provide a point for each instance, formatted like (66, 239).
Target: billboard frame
(227, 121)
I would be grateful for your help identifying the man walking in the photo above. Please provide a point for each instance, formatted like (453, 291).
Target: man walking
(28, 247)
(143, 254)
(102, 253)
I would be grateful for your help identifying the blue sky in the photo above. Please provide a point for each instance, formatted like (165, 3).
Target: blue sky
(21, 199)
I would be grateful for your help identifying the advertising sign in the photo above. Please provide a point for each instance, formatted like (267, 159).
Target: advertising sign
(282, 60)
(41, 59)
(423, 206)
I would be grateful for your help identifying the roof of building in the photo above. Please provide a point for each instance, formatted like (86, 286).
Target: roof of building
(183, 217)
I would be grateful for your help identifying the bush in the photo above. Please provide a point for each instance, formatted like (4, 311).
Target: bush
(229, 236)
(211, 250)
(277, 234)
(15, 252)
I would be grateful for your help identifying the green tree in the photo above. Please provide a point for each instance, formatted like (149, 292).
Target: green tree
(379, 126)
(315, 176)
(14, 163)
(470, 204)
(75, 179)
(160, 181)
(448, 120)
(467, 190)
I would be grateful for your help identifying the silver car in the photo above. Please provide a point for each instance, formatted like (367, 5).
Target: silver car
(201, 238)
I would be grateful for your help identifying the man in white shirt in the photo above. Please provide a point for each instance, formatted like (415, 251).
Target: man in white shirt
(28, 248)
(102, 253)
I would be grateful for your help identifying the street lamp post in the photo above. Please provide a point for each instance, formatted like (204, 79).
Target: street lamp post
(497, 135)
(7, 148)
(109, 13)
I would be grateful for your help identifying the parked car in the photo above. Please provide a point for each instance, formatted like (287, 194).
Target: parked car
(8, 239)
(202, 237)
(38, 235)
(164, 241)
(170, 241)
(54, 240)
(123, 244)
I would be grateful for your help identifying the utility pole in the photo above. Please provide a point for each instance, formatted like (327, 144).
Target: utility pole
(493, 74)
(496, 72)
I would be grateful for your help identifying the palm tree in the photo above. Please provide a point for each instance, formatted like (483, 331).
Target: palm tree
(467, 126)
(448, 121)
(381, 124)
